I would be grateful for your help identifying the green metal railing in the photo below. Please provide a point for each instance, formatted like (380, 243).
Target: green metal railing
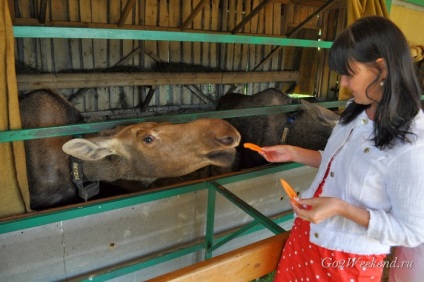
(158, 35)
(211, 242)
(34, 133)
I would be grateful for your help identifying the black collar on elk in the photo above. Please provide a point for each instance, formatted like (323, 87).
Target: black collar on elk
(85, 190)
(291, 118)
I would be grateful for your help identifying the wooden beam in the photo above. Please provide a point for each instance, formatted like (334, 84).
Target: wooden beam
(146, 102)
(251, 15)
(193, 14)
(311, 16)
(196, 91)
(43, 12)
(92, 80)
(243, 264)
(293, 31)
(128, 57)
(268, 57)
(313, 3)
(124, 15)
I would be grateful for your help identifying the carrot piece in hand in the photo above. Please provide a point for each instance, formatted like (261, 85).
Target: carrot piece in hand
(253, 147)
(290, 192)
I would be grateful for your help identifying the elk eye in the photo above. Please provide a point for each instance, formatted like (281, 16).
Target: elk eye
(148, 139)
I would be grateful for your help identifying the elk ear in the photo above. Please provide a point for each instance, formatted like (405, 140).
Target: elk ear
(320, 113)
(87, 150)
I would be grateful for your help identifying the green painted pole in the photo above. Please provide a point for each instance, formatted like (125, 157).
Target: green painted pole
(132, 34)
(27, 134)
(210, 221)
(275, 228)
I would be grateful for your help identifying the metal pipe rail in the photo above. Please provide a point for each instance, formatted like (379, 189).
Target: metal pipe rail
(159, 35)
(82, 128)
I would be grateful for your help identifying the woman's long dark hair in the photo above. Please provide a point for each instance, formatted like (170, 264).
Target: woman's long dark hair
(365, 41)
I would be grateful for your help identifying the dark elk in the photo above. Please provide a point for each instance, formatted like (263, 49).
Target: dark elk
(309, 128)
(141, 152)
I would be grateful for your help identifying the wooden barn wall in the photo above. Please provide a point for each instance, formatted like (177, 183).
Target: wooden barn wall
(76, 55)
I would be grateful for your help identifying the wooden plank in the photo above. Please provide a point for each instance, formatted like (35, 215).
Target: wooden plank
(26, 48)
(259, 48)
(245, 48)
(229, 65)
(206, 25)
(59, 11)
(43, 12)
(215, 14)
(60, 52)
(150, 18)
(187, 52)
(197, 25)
(222, 47)
(140, 93)
(87, 54)
(276, 31)
(308, 68)
(243, 264)
(237, 63)
(282, 56)
(80, 80)
(252, 48)
(175, 48)
(205, 55)
(215, 23)
(163, 91)
(163, 20)
(269, 22)
(114, 54)
(322, 55)
(100, 48)
(75, 46)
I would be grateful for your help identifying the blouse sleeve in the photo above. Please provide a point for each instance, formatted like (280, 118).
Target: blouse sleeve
(403, 224)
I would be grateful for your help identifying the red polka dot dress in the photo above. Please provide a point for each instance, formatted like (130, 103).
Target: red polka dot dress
(302, 260)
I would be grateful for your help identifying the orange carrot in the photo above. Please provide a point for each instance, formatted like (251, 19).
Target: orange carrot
(290, 192)
(253, 147)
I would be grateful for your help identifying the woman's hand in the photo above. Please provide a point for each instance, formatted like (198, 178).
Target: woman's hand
(288, 153)
(278, 153)
(319, 209)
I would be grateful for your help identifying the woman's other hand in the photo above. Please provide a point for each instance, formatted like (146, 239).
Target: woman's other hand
(319, 209)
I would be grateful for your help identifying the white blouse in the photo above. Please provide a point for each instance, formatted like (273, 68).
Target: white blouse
(389, 184)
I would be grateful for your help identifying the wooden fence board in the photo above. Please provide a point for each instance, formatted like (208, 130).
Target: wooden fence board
(215, 24)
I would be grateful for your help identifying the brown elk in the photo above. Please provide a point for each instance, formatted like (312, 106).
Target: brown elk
(309, 129)
(141, 152)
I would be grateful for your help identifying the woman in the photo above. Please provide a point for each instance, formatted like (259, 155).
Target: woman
(368, 192)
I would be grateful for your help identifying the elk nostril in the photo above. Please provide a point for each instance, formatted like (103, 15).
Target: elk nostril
(228, 140)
